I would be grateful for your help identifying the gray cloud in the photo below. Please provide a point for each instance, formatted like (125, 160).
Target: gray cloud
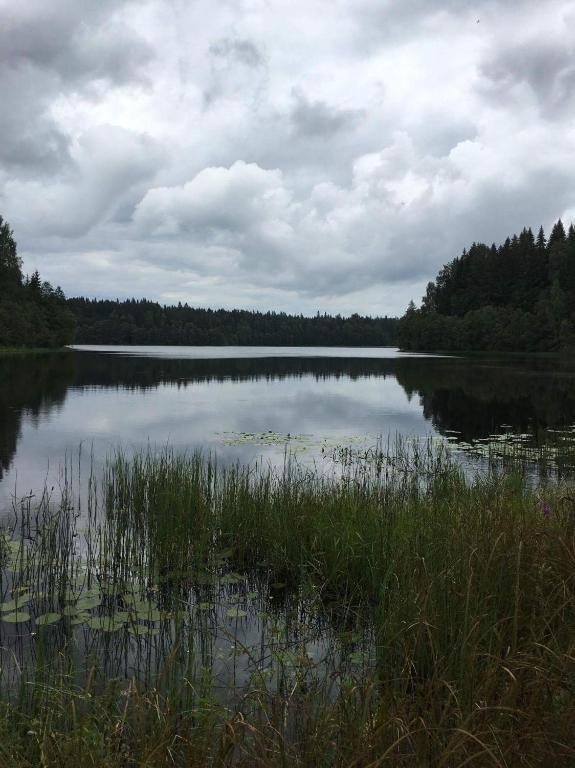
(546, 66)
(231, 154)
(47, 51)
(242, 51)
(234, 65)
(318, 119)
(75, 39)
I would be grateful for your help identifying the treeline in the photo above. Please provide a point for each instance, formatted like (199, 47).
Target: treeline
(145, 322)
(32, 312)
(519, 296)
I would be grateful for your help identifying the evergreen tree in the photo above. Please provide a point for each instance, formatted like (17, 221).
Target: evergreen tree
(518, 296)
(32, 313)
(10, 265)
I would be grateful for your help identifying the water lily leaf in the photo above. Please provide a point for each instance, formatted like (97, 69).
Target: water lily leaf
(90, 593)
(14, 605)
(153, 615)
(48, 618)
(81, 618)
(122, 616)
(141, 606)
(87, 603)
(112, 588)
(142, 629)
(17, 617)
(236, 613)
(103, 624)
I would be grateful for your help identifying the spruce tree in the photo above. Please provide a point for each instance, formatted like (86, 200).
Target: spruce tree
(10, 264)
(557, 234)
(541, 240)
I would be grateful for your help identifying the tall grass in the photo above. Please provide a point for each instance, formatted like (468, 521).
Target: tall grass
(398, 615)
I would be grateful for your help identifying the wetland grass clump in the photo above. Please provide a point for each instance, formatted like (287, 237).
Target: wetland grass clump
(192, 615)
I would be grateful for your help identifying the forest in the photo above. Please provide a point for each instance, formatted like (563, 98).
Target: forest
(32, 312)
(519, 296)
(146, 322)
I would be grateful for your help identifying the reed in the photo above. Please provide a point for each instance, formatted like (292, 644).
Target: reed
(188, 614)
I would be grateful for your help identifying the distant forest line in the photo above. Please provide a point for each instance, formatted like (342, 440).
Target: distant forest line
(145, 322)
(34, 314)
(519, 296)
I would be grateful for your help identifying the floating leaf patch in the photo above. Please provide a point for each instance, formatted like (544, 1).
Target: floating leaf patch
(236, 613)
(14, 605)
(17, 617)
(48, 618)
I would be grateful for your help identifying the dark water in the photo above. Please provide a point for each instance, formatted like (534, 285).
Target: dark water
(252, 403)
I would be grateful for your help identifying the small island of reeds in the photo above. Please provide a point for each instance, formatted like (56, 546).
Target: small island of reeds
(172, 612)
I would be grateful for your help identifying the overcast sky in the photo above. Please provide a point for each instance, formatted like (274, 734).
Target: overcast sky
(297, 155)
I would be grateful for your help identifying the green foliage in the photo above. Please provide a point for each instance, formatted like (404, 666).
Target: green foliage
(438, 613)
(145, 322)
(518, 297)
(32, 313)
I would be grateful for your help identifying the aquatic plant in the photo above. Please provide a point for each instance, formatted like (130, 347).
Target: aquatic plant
(397, 613)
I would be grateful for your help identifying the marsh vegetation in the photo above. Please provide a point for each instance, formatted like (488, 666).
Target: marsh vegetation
(189, 614)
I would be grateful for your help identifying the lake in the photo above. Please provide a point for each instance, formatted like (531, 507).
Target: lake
(255, 404)
(243, 596)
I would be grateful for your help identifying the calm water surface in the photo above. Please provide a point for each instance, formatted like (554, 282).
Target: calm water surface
(255, 403)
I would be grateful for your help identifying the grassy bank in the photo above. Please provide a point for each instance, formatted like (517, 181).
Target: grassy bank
(194, 616)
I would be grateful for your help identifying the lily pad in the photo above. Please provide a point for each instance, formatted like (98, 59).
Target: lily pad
(18, 617)
(104, 624)
(48, 618)
(236, 613)
(153, 615)
(122, 616)
(81, 618)
(87, 603)
(141, 605)
(14, 605)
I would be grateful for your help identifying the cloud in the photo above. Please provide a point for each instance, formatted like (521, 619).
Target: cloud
(237, 67)
(216, 201)
(333, 157)
(318, 119)
(107, 167)
(47, 50)
(77, 40)
(242, 51)
(546, 67)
